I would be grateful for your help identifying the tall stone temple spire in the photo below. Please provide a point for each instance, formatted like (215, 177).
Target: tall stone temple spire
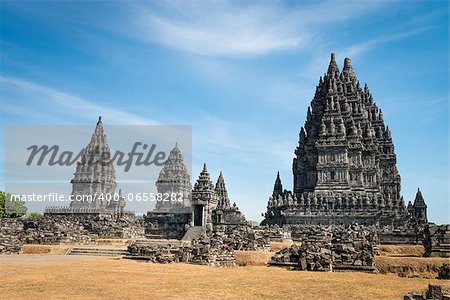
(344, 169)
(174, 179)
(224, 213)
(94, 181)
(277, 187)
(419, 207)
(221, 192)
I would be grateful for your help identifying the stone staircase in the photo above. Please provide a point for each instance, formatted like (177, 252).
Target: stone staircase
(161, 242)
(193, 233)
(88, 251)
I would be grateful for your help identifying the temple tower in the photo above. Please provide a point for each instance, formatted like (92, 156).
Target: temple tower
(174, 179)
(419, 208)
(94, 181)
(344, 168)
(204, 200)
(222, 193)
(225, 213)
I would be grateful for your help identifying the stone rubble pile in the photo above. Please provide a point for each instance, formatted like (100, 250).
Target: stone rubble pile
(206, 250)
(211, 251)
(354, 248)
(433, 292)
(64, 229)
(331, 248)
(11, 236)
(302, 233)
(309, 256)
(243, 238)
(156, 253)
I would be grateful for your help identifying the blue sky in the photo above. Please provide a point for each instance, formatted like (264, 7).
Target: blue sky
(241, 72)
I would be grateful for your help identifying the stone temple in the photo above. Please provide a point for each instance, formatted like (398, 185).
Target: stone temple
(94, 182)
(174, 179)
(344, 168)
(203, 206)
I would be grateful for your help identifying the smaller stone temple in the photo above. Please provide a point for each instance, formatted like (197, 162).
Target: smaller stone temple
(174, 179)
(169, 218)
(94, 182)
(418, 210)
(204, 200)
(226, 214)
(206, 205)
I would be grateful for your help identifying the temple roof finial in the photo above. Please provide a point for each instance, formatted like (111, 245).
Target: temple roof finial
(347, 63)
(99, 119)
(333, 70)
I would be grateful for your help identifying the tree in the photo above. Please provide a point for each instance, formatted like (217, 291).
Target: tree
(11, 207)
(34, 216)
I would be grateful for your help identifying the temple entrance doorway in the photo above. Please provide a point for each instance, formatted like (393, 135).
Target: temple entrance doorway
(198, 215)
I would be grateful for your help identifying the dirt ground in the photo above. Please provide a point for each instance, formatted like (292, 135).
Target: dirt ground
(78, 277)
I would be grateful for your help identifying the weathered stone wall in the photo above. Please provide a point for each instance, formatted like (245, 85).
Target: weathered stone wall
(330, 248)
(401, 235)
(166, 225)
(437, 240)
(211, 251)
(64, 229)
(301, 233)
(11, 235)
(354, 248)
(244, 238)
(207, 250)
(310, 256)
(275, 233)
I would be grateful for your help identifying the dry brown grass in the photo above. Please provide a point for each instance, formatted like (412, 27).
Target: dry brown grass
(104, 278)
(45, 249)
(401, 250)
(410, 266)
(253, 258)
(277, 246)
(260, 258)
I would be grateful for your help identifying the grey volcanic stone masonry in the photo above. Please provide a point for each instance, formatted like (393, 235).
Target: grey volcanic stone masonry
(244, 238)
(207, 250)
(174, 178)
(344, 170)
(437, 240)
(330, 248)
(63, 229)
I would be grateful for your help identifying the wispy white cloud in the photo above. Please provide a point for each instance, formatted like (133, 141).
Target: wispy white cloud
(228, 28)
(318, 63)
(357, 49)
(60, 103)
